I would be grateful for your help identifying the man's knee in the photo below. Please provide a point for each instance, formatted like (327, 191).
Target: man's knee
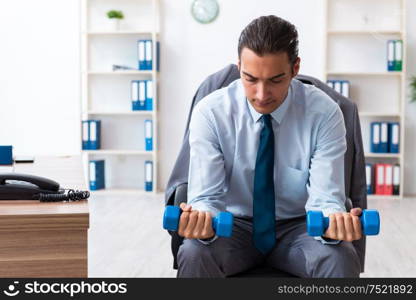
(192, 251)
(196, 260)
(337, 261)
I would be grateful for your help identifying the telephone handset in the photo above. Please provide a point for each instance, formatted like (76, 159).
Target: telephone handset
(16, 186)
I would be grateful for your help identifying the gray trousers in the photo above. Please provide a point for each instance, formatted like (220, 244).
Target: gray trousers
(295, 252)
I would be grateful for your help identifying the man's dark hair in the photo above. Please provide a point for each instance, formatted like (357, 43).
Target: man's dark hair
(270, 34)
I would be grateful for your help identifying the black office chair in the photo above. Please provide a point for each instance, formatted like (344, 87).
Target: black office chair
(355, 181)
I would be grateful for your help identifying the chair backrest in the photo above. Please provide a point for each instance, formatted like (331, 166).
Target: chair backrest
(355, 181)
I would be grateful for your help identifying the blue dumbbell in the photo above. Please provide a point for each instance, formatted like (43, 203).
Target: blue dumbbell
(222, 223)
(317, 224)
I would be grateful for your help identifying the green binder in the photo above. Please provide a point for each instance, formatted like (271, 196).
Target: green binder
(398, 55)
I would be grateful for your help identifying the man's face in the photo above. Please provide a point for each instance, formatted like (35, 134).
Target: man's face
(266, 79)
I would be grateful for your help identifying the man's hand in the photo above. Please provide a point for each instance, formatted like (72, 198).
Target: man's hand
(345, 226)
(195, 224)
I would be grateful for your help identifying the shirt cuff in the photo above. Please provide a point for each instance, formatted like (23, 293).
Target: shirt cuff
(208, 241)
(327, 241)
(327, 211)
(201, 206)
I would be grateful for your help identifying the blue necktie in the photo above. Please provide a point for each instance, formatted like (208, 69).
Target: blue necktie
(264, 236)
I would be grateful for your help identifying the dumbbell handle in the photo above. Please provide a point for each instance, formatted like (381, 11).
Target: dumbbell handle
(369, 219)
(222, 223)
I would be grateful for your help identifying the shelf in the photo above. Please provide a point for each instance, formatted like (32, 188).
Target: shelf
(119, 152)
(149, 33)
(355, 34)
(377, 114)
(117, 73)
(106, 91)
(364, 32)
(121, 113)
(382, 155)
(383, 197)
(336, 73)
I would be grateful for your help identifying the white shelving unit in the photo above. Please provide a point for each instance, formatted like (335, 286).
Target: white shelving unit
(121, 73)
(106, 93)
(355, 41)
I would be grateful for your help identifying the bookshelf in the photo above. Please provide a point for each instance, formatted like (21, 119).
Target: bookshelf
(356, 35)
(106, 94)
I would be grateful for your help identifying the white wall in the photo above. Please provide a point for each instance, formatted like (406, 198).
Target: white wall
(40, 81)
(39, 76)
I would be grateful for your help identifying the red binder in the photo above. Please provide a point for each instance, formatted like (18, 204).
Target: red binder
(380, 174)
(388, 179)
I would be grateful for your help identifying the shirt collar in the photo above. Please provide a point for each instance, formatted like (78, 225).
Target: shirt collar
(279, 113)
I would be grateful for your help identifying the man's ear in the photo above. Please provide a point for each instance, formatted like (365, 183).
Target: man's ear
(239, 65)
(296, 67)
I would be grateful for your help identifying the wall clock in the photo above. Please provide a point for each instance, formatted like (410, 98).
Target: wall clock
(205, 11)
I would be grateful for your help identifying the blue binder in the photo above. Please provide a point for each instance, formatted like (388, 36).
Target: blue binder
(145, 54)
(375, 137)
(390, 55)
(138, 95)
(97, 175)
(95, 134)
(345, 88)
(6, 155)
(134, 94)
(330, 83)
(141, 52)
(157, 56)
(394, 137)
(384, 137)
(149, 55)
(85, 135)
(148, 175)
(369, 178)
(149, 95)
(148, 135)
(338, 86)
(141, 105)
(396, 179)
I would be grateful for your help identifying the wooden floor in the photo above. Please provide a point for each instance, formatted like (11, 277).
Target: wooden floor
(126, 238)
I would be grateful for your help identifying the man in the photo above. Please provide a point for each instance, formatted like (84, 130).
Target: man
(267, 149)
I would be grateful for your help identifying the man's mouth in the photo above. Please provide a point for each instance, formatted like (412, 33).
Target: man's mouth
(262, 103)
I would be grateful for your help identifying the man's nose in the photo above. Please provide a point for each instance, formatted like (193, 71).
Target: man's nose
(262, 92)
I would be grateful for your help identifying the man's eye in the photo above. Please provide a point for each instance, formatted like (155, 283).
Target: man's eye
(278, 81)
(251, 80)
